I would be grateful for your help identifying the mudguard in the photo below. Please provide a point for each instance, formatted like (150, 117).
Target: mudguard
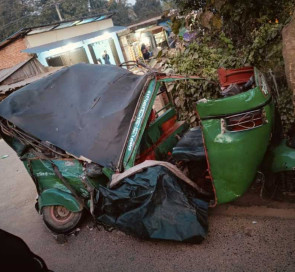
(57, 197)
(281, 158)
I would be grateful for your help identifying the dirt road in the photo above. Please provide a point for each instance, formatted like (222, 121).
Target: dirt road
(240, 238)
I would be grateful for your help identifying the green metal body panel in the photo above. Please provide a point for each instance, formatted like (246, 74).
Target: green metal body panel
(139, 124)
(234, 157)
(280, 158)
(51, 189)
(143, 138)
(108, 172)
(153, 132)
(234, 104)
(177, 78)
(54, 197)
(245, 101)
(167, 145)
(71, 170)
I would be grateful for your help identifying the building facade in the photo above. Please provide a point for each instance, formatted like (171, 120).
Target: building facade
(149, 33)
(65, 43)
(12, 55)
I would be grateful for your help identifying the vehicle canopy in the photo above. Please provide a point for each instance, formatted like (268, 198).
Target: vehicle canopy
(84, 109)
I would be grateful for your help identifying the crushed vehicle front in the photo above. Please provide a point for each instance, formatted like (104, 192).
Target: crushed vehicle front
(74, 129)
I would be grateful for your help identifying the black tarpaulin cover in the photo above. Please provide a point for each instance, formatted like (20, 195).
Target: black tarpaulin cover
(84, 109)
(155, 204)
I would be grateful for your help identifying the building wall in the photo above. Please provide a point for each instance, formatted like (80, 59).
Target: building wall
(42, 56)
(12, 55)
(66, 33)
(119, 48)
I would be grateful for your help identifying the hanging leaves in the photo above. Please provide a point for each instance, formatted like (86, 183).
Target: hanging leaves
(232, 34)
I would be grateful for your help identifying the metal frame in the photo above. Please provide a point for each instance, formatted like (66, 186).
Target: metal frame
(225, 125)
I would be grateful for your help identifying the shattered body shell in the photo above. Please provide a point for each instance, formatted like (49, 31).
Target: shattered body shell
(235, 156)
(83, 109)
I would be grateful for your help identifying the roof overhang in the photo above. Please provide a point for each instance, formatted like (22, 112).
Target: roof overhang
(54, 45)
(58, 25)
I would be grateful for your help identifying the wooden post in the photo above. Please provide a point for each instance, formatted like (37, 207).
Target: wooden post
(58, 12)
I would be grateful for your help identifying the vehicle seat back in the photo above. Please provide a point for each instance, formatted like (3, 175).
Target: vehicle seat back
(190, 147)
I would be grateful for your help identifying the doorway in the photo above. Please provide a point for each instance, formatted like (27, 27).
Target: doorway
(68, 58)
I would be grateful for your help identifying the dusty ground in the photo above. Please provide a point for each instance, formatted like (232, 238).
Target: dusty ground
(240, 238)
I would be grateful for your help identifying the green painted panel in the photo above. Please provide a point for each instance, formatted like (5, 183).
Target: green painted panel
(234, 104)
(175, 78)
(151, 136)
(167, 145)
(281, 158)
(154, 132)
(140, 124)
(234, 157)
(70, 169)
(54, 197)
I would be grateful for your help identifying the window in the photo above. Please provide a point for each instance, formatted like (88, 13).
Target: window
(245, 121)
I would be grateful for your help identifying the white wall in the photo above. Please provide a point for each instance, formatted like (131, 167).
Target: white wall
(66, 33)
(98, 51)
(42, 56)
(119, 49)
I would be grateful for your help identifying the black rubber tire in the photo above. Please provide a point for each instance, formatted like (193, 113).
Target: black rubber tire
(60, 220)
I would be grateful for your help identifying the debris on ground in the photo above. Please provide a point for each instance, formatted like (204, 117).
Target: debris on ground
(60, 238)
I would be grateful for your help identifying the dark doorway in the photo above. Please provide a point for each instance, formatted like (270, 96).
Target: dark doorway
(68, 58)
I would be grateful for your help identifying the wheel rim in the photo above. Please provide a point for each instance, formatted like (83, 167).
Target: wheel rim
(60, 214)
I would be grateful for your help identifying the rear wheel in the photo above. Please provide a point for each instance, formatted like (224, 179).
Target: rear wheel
(60, 220)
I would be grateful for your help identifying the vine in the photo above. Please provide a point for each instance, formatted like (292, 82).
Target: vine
(230, 34)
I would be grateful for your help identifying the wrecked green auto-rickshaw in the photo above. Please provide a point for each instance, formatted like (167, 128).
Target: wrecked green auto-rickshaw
(88, 127)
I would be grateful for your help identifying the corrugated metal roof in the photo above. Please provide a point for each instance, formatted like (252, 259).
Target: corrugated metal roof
(69, 23)
(5, 73)
(8, 88)
(41, 29)
(50, 46)
(57, 25)
(144, 23)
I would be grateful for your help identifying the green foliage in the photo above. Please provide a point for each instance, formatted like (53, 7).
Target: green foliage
(203, 59)
(176, 25)
(122, 16)
(266, 48)
(231, 34)
(286, 110)
(147, 9)
(188, 5)
(241, 18)
(77, 7)
(168, 5)
(12, 11)
(17, 14)
(99, 4)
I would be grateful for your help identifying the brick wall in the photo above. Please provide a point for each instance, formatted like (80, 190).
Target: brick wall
(12, 55)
